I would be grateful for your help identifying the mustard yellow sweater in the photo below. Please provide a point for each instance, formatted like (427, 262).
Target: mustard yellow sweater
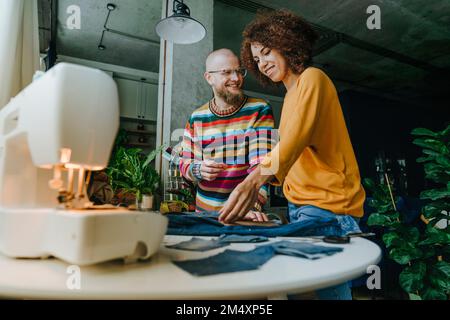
(314, 159)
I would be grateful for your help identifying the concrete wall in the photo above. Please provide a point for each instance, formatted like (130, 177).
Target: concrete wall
(189, 89)
(182, 87)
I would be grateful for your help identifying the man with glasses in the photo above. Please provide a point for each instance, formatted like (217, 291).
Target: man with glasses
(226, 137)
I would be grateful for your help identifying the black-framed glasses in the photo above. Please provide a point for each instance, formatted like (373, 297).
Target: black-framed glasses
(227, 73)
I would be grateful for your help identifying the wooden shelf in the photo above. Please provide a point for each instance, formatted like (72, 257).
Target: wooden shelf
(140, 132)
(145, 121)
(139, 144)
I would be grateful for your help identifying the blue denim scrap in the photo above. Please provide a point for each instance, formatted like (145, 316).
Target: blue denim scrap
(236, 238)
(199, 244)
(304, 249)
(233, 261)
(206, 224)
(228, 261)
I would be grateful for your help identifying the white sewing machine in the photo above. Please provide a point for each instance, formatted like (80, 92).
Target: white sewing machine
(58, 128)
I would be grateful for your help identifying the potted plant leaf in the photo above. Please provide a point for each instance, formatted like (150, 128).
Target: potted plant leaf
(132, 175)
(423, 253)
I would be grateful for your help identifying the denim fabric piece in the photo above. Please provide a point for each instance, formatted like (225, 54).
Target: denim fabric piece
(344, 225)
(198, 244)
(228, 261)
(304, 250)
(207, 225)
(236, 238)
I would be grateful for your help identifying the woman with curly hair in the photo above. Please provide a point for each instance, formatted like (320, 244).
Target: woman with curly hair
(314, 159)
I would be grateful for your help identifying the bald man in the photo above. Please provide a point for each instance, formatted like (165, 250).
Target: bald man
(226, 137)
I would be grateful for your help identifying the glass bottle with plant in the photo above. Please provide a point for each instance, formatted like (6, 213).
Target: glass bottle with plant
(187, 193)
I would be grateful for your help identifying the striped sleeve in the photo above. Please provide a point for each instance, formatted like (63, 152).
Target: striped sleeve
(260, 136)
(260, 143)
(187, 150)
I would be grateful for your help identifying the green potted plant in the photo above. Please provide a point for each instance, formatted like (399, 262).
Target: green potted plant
(424, 256)
(132, 174)
(187, 194)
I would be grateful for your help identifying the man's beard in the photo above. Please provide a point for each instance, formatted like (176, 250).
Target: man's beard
(230, 98)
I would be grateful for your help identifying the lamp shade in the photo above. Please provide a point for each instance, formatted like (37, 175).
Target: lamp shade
(180, 29)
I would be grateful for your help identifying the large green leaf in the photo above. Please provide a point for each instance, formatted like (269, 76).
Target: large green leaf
(152, 155)
(431, 153)
(413, 296)
(435, 208)
(391, 238)
(409, 234)
(435, 194)
(405, 254)
(431, 144)
(376, 219)
(385, 208)
(437, 176)
(382, 194)
(384, 220)
(446, 133)
(428, 251)
(373, 203)
(443, 160)
(439, 279)
(424, 132)
(369, 184)
(411, 278)
(444, 267)
(431, 293)
(435, 168)
(425, 159)
(435, 236)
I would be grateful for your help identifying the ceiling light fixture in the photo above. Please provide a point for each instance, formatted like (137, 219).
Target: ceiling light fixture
(180, 27)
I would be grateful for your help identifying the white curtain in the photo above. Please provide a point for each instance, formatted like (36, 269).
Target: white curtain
(19, 46)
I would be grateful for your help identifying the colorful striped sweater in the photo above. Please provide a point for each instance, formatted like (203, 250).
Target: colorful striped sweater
(240, 140)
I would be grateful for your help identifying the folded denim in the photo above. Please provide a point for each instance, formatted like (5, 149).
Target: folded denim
(206, 224)
(199, 244)
(344, 225)
(236, 238)
(228, 261)
(233, 261)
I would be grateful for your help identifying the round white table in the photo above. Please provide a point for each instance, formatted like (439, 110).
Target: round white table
(158, 278)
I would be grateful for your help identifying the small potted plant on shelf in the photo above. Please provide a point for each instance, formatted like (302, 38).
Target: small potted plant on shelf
(133, 177)
(187, 194)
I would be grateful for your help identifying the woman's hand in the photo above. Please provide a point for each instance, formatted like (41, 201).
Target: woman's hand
(255, 216)
(243, 197)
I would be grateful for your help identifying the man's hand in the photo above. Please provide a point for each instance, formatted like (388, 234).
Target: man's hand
(211, 169)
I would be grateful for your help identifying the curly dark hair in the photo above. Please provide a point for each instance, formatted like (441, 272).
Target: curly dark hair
(284, 31)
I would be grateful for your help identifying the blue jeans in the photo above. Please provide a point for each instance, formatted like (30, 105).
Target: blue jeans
(346, 225)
